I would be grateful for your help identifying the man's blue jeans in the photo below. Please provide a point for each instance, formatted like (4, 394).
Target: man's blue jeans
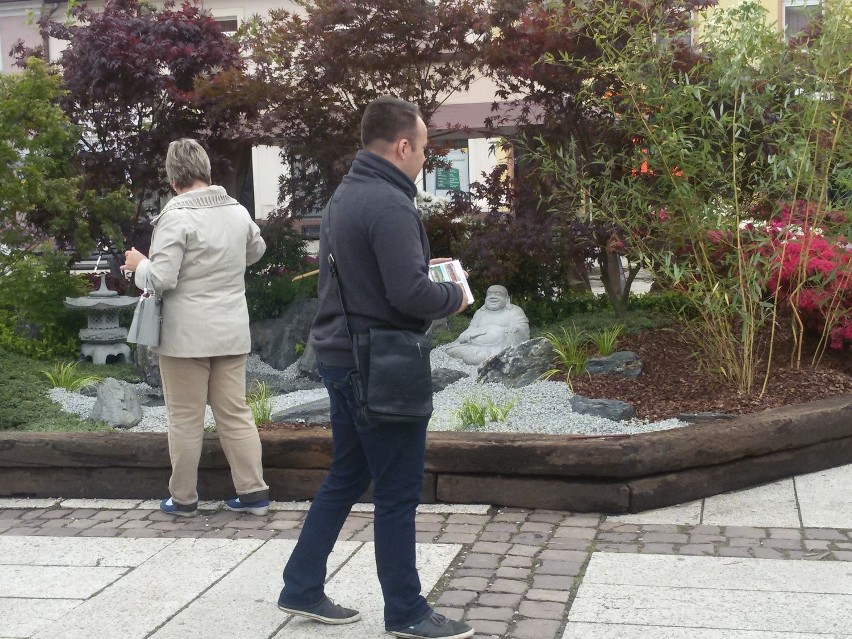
(392, 456)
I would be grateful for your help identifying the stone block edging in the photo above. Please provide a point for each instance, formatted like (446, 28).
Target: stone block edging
(614, 474)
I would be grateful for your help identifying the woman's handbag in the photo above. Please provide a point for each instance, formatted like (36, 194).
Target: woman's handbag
(145, 327)
(392, 380)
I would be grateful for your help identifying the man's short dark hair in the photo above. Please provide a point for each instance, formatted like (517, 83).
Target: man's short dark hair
(388, 119)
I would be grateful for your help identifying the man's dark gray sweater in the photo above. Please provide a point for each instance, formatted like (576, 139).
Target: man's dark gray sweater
(382, 256)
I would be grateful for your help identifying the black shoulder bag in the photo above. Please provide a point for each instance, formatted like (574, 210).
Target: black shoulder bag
(392, 380)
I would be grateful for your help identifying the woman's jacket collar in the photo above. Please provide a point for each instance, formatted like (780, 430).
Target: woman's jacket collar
(206, 197)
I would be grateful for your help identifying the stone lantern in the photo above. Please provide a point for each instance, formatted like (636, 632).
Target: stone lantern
(103, 337)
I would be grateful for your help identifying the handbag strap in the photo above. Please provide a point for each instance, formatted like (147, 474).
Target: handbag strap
(149, 283)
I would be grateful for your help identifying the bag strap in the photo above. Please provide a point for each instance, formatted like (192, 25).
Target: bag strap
(335, 275)
(149, 283)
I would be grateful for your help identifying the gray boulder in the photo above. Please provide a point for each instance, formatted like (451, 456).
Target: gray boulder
(443, 377)
(624, 363)
(117, 404)
(274, 340)
(608, 408)
(149, 365)
(308, 363)
(519, 365)
(316, 412)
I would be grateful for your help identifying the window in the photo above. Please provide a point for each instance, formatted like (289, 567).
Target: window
(797, 15)
(228, 19)
(228, 25)
(455, 177)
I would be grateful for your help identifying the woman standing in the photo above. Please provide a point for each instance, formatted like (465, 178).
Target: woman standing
(203, 240)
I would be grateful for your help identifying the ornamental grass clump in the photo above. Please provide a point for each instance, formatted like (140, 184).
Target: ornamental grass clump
(571, 349)
(475, 412)
(65, 375)
(260, 401)
(605, 340)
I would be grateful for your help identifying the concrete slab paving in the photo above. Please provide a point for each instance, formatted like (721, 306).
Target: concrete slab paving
(577, 630)
(151, 594)
(77, 551)
(21, 618)
(721, 573)
(55, 582)
(664, 607)
(356, 586)
(745, 595)
(255, 584)
(825, 498)
(770, 505)
(682, 514)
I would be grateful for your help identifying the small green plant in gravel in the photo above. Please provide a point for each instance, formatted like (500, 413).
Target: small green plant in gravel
(66, 375)
(260, 401)
(476, 413)
(606, 339)
(571, 351)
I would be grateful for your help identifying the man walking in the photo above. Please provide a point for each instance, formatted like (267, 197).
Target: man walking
(381, 255)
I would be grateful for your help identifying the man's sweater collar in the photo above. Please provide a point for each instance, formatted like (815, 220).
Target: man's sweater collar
(368, 164)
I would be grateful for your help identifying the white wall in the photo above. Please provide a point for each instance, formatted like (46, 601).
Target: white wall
(268, 167)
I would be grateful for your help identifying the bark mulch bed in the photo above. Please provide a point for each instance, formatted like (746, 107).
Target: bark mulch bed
(671, 382)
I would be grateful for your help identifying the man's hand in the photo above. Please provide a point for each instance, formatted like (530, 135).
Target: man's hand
(132, 259)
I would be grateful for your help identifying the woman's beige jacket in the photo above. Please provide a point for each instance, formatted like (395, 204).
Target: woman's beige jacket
(203, 240)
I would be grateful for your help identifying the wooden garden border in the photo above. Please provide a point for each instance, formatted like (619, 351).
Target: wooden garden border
(612, 474)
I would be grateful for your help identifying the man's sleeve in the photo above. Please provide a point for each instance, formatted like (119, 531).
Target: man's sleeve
(396, 239)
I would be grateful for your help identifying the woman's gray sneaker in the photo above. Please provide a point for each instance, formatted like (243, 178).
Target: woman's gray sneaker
(435, 626)
(326, 611)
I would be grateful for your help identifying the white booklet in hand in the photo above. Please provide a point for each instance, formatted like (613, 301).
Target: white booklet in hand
(451, 272)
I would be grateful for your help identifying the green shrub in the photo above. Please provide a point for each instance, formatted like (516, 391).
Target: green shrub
(24, 404)
(542, 311)
(670, 303)
(269, 283)
(33, 318)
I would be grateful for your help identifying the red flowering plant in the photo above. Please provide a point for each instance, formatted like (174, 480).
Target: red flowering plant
(809, 267)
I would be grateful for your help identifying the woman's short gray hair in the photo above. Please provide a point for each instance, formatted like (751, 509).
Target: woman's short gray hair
(187, 162)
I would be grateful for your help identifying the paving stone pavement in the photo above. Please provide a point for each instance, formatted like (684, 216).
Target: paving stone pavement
(773, 562)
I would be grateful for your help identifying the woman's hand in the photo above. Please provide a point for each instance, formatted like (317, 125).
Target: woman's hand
(132, 259)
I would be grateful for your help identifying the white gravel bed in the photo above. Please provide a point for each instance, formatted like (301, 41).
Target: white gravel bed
(541, 407)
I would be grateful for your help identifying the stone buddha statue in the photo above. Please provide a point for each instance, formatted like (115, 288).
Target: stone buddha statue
(496, 326)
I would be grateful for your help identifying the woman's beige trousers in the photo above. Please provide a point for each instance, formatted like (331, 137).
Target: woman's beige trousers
(188, 385)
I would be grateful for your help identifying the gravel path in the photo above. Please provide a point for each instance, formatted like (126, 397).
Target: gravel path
(542, 407)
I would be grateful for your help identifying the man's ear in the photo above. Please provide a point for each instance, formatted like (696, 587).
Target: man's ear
(402, 146)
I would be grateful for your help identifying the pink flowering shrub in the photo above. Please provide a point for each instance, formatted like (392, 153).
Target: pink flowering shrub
(810, 268)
